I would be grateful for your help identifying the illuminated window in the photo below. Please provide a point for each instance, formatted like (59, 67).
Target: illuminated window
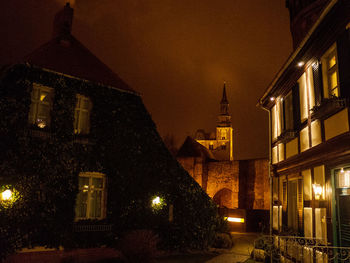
(330, 73)
(90, 203)
(276, 119)
(41, 106)
(223, 134)
(306, 94)
(82, 115)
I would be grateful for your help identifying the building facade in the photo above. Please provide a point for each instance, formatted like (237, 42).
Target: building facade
(81, 160)
(308, 106)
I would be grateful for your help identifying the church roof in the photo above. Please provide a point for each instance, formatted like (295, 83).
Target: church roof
(65, 54)
(192, 148)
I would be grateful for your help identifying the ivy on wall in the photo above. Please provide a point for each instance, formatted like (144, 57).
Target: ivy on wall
(123, 144)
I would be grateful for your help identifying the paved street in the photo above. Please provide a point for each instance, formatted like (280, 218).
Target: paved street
(243, 246)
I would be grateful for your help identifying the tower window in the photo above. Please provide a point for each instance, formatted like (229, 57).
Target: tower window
(41, 105)
(223, 147)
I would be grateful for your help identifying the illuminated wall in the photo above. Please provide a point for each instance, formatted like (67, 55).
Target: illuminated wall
(336, 124)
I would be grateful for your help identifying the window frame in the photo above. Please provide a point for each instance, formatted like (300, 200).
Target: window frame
(78, 129)
(328, 71)
(33, 116)
(90, 190)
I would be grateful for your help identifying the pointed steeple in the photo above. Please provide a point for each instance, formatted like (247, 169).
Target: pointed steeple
(224, 98)
(224, 117)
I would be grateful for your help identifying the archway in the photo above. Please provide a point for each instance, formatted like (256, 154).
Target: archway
(224, 198)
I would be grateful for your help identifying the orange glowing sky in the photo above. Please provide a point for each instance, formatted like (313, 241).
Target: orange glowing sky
(176, 53)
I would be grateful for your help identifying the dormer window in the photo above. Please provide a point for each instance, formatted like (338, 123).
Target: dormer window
(41, 106)
(82, 115)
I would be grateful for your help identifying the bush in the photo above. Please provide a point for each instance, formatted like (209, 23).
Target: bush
(139, 245)
(223, 240)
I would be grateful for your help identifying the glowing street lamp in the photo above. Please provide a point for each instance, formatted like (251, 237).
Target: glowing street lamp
(6, 195)
(156, 201)
(317, 190)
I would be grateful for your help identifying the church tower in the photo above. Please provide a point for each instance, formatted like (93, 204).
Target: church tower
(224, 131)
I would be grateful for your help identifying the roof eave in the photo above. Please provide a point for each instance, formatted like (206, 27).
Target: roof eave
(296, 52)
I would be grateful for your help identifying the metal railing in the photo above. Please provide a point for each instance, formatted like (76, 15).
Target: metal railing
(298, 249)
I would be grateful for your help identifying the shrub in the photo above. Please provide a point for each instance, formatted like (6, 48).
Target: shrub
(223, 240)
(139, 245)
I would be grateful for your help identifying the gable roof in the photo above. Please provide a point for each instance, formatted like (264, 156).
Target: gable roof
(68, 56)
(192, 148)
(65, 54)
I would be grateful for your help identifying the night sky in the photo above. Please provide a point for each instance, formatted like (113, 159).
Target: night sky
(175, 53)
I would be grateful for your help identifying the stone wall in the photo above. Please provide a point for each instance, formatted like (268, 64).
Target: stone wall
(239, 184)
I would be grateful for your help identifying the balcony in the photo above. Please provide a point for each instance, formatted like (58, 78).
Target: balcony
(328, 107)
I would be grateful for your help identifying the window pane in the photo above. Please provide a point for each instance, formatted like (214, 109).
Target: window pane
(81, 205)
(82, 115)
(273, 123)
(288, 112)
(83, 182)
(303, 98)
(44, 110)
(333, 80)
(44, 96)
(97, 182)
(35, 94)
(304, 139)
(96, 204)
(332, 61)
(85, 104)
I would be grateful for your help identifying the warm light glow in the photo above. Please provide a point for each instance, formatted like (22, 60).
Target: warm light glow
(300, 64)
(156, 201)
(272, 98)
(41, 123)
(6, 195)
(235, 219)
(344, 179)
(318, 190)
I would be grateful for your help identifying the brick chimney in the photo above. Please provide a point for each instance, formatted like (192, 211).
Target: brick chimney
(62, 24)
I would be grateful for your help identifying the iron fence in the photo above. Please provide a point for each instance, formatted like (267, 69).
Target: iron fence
(298, 249)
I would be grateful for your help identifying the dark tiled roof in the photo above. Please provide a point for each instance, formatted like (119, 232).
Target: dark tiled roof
(68, 56)
(191, 148)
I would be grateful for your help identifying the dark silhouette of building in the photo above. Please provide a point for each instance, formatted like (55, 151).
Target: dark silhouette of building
(81, 159)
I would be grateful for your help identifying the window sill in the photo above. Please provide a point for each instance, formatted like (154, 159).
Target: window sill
(287, 136)
(92, 228)
(81, 139)
(40, 133)
(328, 107)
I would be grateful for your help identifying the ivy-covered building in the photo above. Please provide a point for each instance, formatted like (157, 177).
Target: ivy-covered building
(81, 155)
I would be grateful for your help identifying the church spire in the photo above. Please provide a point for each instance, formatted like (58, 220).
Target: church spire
(224, 98)
(224, 117)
